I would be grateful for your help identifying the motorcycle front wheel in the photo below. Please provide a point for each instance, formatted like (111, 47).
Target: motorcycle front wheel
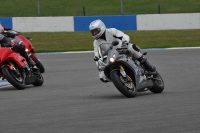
(38, 63)
(14, 79)
(125, 85)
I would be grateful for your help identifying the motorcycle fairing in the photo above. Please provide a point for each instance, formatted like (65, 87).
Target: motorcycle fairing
(141, 81)
(7, 53)
(26, 42)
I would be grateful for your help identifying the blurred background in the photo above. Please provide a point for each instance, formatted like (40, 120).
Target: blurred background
(31, 8)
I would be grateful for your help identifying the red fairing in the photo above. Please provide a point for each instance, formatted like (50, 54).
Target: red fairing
(26, 43)
(7, 53)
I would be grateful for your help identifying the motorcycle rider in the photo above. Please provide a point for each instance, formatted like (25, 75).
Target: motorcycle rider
(101, 34)
(16, 46)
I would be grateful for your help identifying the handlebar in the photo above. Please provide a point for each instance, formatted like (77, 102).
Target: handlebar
(122, 50)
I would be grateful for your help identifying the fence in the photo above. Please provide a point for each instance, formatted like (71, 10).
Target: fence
(32, 8)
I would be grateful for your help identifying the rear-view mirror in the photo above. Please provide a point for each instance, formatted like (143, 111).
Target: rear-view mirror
(115, 43)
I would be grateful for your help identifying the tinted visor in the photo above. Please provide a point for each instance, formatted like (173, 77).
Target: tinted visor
(95, 31)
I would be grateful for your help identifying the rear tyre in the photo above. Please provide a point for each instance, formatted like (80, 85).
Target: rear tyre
(38, 63)
(158, 84)
(126, 87)
(16, 80)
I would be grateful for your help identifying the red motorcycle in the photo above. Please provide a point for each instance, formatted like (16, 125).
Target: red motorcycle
(15, 69)
(28, 47)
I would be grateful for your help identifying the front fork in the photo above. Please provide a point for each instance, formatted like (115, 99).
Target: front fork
(12, 67)
(124, 75)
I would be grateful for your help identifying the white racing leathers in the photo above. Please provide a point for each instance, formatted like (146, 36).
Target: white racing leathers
(111, 35)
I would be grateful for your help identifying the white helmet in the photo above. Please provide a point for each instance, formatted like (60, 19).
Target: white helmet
(97, 28)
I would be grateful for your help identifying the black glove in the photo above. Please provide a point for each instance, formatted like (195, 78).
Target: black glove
(136, 48)
(96, 58)
(18, 47)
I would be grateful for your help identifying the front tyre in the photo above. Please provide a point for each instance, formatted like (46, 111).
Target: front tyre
(158, 84)
(38, 63)
(16, 80)
(125, 86)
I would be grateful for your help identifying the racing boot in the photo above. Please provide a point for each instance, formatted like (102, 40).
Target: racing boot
(102, 77)
(147, 65)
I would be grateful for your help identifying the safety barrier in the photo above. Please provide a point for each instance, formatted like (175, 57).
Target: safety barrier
(121, 22)
(6, 22)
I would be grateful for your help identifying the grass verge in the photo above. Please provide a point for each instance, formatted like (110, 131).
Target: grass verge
(82, 41)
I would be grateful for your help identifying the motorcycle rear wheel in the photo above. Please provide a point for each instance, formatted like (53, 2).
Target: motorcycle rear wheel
(12, 78)
(123, 87)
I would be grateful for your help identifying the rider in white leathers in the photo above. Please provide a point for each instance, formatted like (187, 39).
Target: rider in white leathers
(101, 34)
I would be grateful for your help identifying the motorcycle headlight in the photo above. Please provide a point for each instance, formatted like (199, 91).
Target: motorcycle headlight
(112, 59)
(26, 50)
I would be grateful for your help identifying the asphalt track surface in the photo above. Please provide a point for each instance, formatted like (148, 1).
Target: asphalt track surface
(74, 100)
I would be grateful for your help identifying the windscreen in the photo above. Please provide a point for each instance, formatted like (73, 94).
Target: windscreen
(104, 48)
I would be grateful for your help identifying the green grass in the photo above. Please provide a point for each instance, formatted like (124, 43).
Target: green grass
(82, 41)
(23, 8)
(78, 41)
